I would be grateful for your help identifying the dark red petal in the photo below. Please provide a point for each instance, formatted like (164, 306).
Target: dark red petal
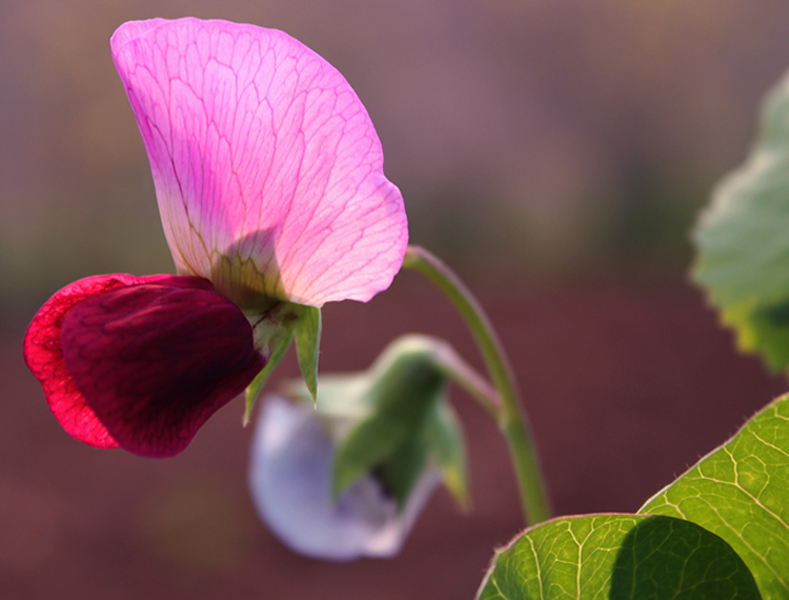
(155, 361)
(44, 356)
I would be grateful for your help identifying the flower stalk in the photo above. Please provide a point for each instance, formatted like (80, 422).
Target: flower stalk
(511, 417)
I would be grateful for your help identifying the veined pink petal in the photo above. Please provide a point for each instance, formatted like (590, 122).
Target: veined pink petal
(268, 170)
(140, 362)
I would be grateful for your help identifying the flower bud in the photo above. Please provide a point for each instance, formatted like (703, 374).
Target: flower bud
(348, 478)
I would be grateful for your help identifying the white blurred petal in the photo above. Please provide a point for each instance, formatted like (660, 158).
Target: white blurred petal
(290, 481)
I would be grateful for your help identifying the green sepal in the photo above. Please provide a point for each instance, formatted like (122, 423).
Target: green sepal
(401, 471)
(273, 331)
(406, 383)
(279, 348)
(344, 403)
(740, 491)
(308, 341)
(618, 557)
(394, 421)
(443, 434)
(375, 440)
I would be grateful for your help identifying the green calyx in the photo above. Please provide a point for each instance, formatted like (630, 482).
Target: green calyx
(273, 331)
(394, 421)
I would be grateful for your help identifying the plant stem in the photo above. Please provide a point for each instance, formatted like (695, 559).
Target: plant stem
(459, 372)
(511, 416)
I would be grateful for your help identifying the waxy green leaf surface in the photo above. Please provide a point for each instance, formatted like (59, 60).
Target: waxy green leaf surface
(742, 241)
(741, 493)
(618, 557)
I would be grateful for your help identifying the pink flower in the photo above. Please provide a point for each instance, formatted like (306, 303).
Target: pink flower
(268, 171)
(269, 178)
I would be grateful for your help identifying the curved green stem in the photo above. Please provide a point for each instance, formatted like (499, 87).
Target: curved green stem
(511, 417)
(459, 372)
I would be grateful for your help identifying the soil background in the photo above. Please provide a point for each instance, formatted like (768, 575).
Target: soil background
(627, 385)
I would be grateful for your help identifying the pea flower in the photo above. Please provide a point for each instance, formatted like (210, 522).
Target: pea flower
(269, 178)
(290, 479)
(349, 477)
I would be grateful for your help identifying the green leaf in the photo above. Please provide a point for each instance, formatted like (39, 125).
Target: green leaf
(443, 434)
(617, 557)
(743, 248)
(253, 389)
(741, 492)
(308, 342)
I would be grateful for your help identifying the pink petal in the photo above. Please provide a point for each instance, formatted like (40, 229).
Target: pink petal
(268, 171)
(142, 362)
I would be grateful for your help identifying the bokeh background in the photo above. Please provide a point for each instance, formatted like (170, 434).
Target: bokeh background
(554, 152)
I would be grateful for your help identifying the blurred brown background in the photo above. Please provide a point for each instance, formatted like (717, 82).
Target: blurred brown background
(554, 152)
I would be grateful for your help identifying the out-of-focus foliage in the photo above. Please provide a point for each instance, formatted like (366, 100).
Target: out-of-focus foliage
(743, 240)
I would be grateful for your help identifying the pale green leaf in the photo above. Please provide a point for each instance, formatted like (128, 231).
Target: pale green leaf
(743, 244)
